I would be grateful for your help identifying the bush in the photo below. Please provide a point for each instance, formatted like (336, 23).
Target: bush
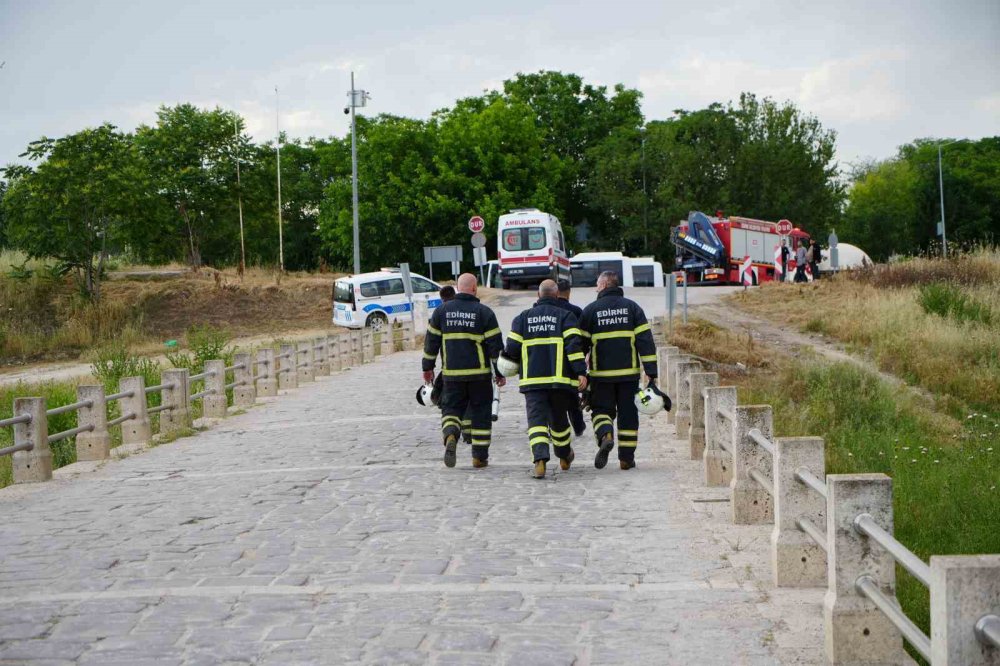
(945, 300)
(206, 343)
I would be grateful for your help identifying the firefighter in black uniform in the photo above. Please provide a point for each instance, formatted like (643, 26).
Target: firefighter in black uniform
(546, 343)
(620, 343)
(575, 412)
(467, 335)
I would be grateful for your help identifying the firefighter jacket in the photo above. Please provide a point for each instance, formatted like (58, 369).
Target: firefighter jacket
(618, 338)
(546, 341)
(467, 335)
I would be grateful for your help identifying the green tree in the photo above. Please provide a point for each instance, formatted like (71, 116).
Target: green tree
(75, 205)
(882, 207)
(191, 156)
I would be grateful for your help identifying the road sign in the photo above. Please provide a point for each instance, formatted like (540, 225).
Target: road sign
(746, 272)
(476, 224)
(784, 227)
(479, 256)
(478, 239)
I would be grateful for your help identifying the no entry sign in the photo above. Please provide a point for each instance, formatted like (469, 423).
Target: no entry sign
(784, 227)
(476, 224)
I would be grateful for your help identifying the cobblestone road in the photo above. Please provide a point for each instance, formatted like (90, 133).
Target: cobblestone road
(322, 528)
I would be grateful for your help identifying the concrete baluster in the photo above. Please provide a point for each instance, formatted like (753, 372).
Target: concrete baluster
(662, 353)
(305, 363)
(683, 416)
(718, 430)
(321, 349)
(267, 380)
(215, 404)
(698, 382)
(95, 444)
(671, 388)
(244, 393)
(176, 396)
(856, 631)
(751, 503)
(136, 431)
(797, 560)
(35, 465)
(964, 588)
(358, 345)
(287, 374)
(334, 355)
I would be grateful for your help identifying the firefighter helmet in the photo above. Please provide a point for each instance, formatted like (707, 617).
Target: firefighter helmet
(425, 395)
(651, 400)
(507, 367)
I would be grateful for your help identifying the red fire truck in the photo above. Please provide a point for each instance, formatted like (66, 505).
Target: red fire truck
(711, 250)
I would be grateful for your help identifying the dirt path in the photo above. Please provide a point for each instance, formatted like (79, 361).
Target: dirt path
(725, 314)
(57, 372)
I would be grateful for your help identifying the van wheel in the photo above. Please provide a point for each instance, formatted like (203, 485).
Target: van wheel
(377, 321)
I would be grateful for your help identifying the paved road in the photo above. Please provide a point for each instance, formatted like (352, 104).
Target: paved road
(322, 528)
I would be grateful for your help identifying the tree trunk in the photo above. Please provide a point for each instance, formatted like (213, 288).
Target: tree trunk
(194, 253)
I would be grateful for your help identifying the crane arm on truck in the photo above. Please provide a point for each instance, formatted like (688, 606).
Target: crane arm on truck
(701, 241)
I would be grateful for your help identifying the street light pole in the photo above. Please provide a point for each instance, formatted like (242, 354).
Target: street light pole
(354, 181)
(944, 238)
(277, 146)
(645, 199)
(239, 199)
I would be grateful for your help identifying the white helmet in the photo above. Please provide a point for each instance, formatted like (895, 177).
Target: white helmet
(648, 402)
(424, 395)
(507, 367)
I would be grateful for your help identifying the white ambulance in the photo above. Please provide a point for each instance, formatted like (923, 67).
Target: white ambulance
(531, 247)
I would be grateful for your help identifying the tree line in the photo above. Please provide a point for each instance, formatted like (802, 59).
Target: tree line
(169, 191)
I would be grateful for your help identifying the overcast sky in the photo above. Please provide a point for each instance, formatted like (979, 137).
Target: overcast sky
(880, 73)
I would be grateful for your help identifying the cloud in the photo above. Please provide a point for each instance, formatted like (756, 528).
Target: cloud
(859, 89)
(989, 104)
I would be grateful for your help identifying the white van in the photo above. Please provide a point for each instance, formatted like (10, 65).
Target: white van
(632, 271)
(531, 247)
(378, 299)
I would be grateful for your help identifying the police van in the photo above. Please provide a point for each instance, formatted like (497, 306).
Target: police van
(378, 299)
(531, 247)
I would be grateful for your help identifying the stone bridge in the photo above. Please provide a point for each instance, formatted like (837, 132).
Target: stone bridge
(321, 527)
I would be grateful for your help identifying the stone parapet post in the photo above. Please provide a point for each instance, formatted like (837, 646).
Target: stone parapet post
(95, 444)
(662, 353)
(856, 631)
(751, 503)
(718, 435)
(136, 430)
(288, 376)
(304, 364)
(321, 357)
(176, 397)
(671, 388)
(244, 393)
(797, 560)
(965, 591)
(35, 465)
(215, 404)
(267, 380)
(698, 382)
(683, 408)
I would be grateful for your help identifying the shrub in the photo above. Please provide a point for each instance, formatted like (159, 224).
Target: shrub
(945, 300)
(114, 361)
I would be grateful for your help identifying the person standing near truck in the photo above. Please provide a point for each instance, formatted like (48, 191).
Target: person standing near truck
(466, 334)
(621, 347)
(800, 263)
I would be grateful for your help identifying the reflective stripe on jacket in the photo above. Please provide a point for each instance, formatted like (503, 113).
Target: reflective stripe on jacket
(467, 335)
(547, 343)
(618, 337)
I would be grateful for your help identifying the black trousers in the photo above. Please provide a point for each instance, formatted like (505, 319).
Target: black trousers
(616, 400)
(548, 421)
(470, 401)
(466, 420)
(576, 416)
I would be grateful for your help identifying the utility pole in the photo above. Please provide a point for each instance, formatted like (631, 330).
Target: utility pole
(239, 198)
(277, 147)
(944, 238)
(357, 98)
(645, 199)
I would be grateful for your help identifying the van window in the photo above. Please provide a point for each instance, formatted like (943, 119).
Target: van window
(342, 292)
(531, 238)
(585, 273)
(390, 287)
(422, 286)
(642, 276)
(369, 290)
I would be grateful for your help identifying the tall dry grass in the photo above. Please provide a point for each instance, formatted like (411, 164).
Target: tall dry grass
(879, 312)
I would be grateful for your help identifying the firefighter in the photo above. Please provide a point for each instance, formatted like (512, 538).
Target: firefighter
(467, 335)
(446, 293)
(544, 346)
(621, 345)
(575, 412)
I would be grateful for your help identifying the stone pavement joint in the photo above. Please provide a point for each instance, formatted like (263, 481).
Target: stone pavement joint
(323, 528)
